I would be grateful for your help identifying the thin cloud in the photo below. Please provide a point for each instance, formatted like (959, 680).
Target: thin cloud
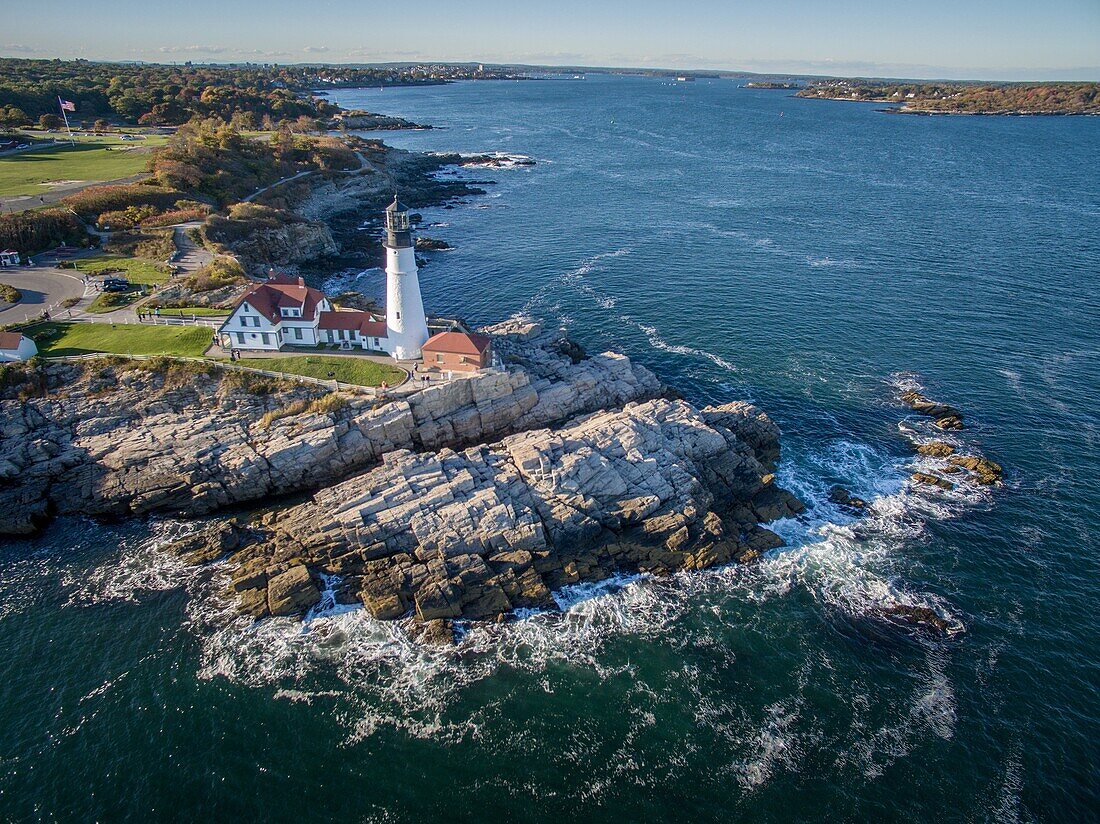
(192, 49)
(315, 49)
(18, 48)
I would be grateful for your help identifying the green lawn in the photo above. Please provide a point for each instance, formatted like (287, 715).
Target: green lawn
(348, 370)
(56, 339)
(111, 301)
(135, 270)
(91, 160)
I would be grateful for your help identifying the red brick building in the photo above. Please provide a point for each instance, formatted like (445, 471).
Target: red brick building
(457, 352)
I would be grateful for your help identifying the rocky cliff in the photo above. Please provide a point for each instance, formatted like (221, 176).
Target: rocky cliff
(115, 438)
(653, 487)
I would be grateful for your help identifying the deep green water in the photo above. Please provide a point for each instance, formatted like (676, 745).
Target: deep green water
(814, 262)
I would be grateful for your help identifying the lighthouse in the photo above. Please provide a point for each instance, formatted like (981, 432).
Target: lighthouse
(405, 324)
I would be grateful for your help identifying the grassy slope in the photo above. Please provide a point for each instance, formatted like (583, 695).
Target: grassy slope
(112, 301)
(348, 369)
(23, 173)
(56, 339)
(197, 311)
(135, 270)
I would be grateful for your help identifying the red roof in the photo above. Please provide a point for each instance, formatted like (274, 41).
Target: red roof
(9, 252)
(282, 291)
(459, 343)
(353, 319)
(10, 340)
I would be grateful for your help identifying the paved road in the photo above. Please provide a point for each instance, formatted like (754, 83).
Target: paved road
(43, 287)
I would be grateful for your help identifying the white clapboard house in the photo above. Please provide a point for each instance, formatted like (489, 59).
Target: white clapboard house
(285, 312)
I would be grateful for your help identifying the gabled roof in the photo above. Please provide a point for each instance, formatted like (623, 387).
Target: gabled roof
(459, 343)
(282, 291)
(10, 340)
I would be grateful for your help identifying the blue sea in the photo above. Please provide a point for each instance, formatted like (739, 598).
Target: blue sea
(815, 257)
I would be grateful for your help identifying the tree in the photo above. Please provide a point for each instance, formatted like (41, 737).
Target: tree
(101, 125)
(49, 122)
(13, 116)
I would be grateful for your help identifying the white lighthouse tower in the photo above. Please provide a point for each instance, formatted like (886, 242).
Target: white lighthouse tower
(405, 324)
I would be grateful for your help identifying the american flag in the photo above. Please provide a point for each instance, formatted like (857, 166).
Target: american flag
(67, 105)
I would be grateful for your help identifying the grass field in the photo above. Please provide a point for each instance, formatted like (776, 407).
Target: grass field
(92, 159)
(135, 270)
(347, 370)
(57, 339)
(110, 301)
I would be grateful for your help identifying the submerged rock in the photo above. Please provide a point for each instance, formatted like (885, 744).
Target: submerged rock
(921, 617)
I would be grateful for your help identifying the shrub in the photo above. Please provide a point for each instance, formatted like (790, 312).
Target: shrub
(149, 245)
(219, 273)
(9, 294)
(96, 200)
(328, 404)
(34, 231)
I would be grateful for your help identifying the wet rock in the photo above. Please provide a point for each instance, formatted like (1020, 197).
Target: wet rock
(431, 244)
(932, 480)
(945, 416)
(986, 471)
(843, 498)
(212, 543)
(923, 617)
(291, 592)
(935, 449)
(436, 632)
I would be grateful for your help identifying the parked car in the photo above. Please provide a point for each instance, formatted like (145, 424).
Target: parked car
(115, 284)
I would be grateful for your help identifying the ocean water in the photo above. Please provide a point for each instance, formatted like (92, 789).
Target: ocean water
(814, 257)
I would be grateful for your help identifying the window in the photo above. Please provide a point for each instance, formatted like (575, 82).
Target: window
(439, 357)
(397, 315)
(297, 333)
(267, 338)
(240, 337)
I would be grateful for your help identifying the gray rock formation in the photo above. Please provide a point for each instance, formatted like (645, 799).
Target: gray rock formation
(654, 487)
(114, 438)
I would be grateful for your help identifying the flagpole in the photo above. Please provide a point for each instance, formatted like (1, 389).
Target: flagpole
(66, 118)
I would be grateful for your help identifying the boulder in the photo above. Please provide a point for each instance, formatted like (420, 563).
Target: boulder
(935, 449)
(291, 592)
(932, 480)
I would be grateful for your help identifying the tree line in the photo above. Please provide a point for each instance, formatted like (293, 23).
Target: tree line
(151, 94)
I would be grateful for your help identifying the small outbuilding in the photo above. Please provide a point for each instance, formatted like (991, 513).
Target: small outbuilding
(9, 257)
(457, 352)
(16, 347)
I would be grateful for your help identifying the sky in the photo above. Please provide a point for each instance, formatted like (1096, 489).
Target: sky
(960, 39)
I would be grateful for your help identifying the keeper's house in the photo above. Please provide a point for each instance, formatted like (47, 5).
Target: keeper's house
(452, 352)
(285, 312)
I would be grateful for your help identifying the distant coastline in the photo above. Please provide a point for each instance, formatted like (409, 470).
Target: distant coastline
(1002, 100)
